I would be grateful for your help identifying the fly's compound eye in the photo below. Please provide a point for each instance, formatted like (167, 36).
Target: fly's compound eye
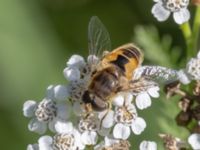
(87, 97)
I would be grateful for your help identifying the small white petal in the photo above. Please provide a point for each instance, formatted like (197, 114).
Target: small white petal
(76, 61)
(143, 100)
(121, 131)
(77, 109)
(29, 108)
(71, 74)
(51, 125)
(61, 92)
(153, 92)
(128, 98)
(118, 100)
(92, 59)
(37, 126)
(138, 125)
(159, 12)
(64, 111)
(110, 140)
(194, 141)
(183, 78)
(104, 131)
(89, 138)
(50, 92)
(181, 16)
(148, 145)
(64, 127)
(78, 141)
(108, 118)
(45, 143)
(33, 147)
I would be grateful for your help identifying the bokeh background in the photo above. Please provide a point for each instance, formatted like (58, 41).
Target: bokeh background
(38, 36)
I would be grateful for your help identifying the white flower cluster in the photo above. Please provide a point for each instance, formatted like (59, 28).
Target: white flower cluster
(63, 112)
(192, 70)
(163, 8)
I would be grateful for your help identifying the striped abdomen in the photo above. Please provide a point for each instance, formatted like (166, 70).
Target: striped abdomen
(127, 58)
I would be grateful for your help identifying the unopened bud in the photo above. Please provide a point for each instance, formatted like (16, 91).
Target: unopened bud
(172, 143)
(196, 2)
(196, 90)
(171, 88)
(183, 118)
(196, 112)
(196, 129)
(185, 104)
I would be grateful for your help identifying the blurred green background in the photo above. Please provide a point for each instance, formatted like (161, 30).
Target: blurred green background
(38, 36)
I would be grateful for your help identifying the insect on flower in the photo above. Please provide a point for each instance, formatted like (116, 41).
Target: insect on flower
(113, 72)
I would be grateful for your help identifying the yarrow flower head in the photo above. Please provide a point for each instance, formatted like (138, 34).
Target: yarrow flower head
(54, 111)
(163, 8)
(126, 117)
(191, 72)
(47, 112)
(67, 138)
(193, 68)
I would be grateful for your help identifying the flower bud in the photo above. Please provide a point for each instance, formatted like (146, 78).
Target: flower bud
(185, 104)
(196, 112)
(196, 2)
(183, 118)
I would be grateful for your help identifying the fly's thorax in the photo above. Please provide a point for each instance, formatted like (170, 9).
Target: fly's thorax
(105, 82)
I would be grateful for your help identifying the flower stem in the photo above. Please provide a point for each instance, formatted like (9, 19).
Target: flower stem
(89, 147)
(187, 33)
(196, 28)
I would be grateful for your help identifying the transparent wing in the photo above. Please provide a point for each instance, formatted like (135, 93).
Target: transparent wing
(159, 74)
(141, 85)
(147, 77)
(98, 37)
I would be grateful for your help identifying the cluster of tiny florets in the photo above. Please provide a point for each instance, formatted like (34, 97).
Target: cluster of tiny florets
(63, 112)
(163, 8)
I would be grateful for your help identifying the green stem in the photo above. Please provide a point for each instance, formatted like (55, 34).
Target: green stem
(89, 147)
(196, 28)
(187, 33)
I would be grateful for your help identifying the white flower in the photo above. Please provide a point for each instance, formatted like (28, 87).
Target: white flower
(77, 68)
(163, 8)
(61, 141)
(67, 137)
(194, 141)
(143, 99)
(58, 92)
(76, 61)
(45, 113)
(126, 119)
(72, 74)
(193, 68)
(88, 127)
(148, 145)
